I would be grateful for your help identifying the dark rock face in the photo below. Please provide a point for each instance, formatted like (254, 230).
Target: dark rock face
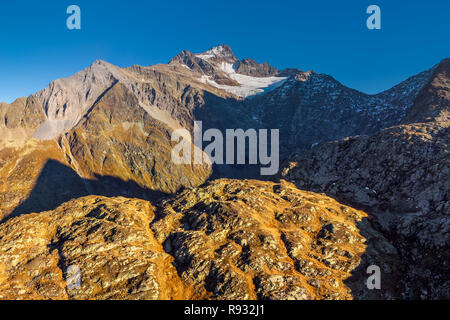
(402, 176)
(433, 102)
(312, 108)
(400, 169)
(308, 108)
(251, 68)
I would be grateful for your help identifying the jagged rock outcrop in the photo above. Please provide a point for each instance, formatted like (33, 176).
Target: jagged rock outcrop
(252, 68)
(219, 62)
(209, 64)
(402, 169)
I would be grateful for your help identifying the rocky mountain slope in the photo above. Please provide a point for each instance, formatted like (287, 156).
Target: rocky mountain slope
(223, 92)
(116, 140)
(401, 174)
(312, 108)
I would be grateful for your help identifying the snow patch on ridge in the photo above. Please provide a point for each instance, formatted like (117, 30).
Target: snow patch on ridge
(218, 51)
(227, 67)
(248, 85)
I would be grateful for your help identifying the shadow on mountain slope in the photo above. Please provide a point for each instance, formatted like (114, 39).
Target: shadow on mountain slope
(58, 183)
(379, 253)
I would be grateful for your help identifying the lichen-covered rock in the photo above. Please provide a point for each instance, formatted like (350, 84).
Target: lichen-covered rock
(249, 239)
(89, 248)
(230, 239)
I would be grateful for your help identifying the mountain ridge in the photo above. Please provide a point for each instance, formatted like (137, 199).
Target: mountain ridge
(56, 100)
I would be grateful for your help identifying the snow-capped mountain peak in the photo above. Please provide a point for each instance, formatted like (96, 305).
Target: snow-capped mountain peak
(220, 68)
(222, 51)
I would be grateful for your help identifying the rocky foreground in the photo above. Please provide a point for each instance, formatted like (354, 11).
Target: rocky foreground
(227, 240)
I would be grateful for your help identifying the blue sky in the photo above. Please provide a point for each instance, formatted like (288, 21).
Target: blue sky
(325, 36)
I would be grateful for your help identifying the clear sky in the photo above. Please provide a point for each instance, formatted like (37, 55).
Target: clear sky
(327, 36)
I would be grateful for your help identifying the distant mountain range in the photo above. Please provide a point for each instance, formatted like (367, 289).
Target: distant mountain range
(76, 152)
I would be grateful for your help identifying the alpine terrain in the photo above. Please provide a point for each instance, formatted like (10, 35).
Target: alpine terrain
(93, 207)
